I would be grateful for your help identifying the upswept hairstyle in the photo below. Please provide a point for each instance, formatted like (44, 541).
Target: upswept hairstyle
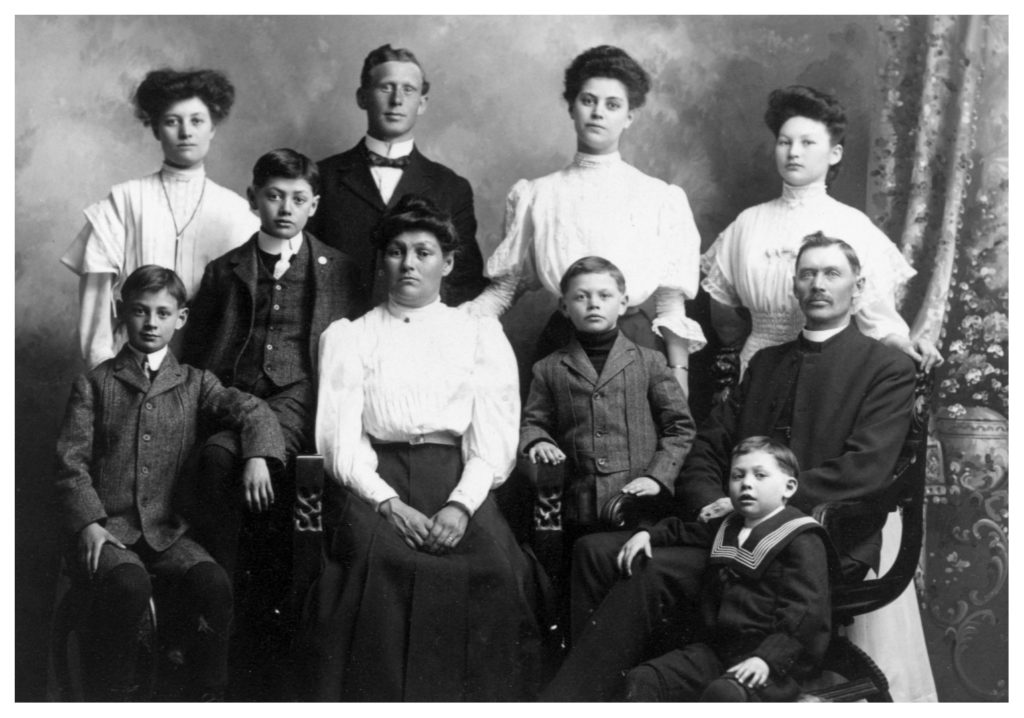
(414, 212)
(592, 265)
(803, 101)
(288, 164)
(162, 88)
(612, 62)
(153, 278)
(782, 454)
(818, 239)
(386, 53)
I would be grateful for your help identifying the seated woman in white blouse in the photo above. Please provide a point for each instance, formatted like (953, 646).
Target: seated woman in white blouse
(750, 265)
(425, 594)
(599, 205)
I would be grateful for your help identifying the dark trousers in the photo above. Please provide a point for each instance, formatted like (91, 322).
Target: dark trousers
(619, 622)
(198, 593)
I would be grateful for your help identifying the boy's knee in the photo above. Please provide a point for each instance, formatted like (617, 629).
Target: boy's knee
(643, 685)
(724, 689)
(128, 586)
(208, 580)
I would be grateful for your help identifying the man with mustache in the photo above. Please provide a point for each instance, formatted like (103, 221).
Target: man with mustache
(359, 185)
(839, 400)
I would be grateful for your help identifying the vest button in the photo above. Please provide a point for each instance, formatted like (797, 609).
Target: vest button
(146, 437)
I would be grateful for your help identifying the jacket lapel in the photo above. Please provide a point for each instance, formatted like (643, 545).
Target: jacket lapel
(169, 376)
(244, 262)
(576, 359)
(621, 355)
(355, 174)
(128, 369)
(415, 178)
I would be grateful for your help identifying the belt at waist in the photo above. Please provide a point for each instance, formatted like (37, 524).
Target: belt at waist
(445, 438)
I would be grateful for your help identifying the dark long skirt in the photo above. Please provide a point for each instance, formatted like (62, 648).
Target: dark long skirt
(390, 623)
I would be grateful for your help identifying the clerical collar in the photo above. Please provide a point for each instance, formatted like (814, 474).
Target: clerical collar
(391, 150)
(155, 360)
(274, 245)
(822, 335)
(177, 174)
(796, 196)
(406, 314)
(582, 159)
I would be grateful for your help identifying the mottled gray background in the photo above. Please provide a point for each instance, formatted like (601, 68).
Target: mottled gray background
(495, 116)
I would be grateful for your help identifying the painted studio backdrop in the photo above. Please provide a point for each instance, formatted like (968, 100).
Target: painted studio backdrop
(926, 158)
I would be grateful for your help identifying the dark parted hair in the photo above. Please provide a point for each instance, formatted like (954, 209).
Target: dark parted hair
(818, 239)
(288, 164)
(162, 88)
(415, 212)
(592, 265)
(612, 62)
(803, 101)
(153, 278)
(386, 53)
(782, 454)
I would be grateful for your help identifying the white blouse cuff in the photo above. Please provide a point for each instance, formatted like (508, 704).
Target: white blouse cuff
(683, 327)
(496, 298)
(477, 481)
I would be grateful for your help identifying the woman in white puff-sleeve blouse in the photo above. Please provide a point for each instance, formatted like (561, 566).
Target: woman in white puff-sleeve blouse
(176, 218)
(425, 594)
(601, 206)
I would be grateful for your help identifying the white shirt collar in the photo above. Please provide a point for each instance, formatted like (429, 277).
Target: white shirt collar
(745, 530)
(285, 247)
(796, 196)
(176, 174)
(822, 335)
(155, 360)
(582, 159)
(392, 150)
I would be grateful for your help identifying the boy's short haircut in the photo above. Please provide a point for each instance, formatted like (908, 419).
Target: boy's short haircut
(592, 265)
(152, 278)
(287, 164)
(782, 454)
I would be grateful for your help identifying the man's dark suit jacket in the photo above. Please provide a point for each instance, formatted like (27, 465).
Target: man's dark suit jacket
(124, 441)
(851, 414)
(351, 206)
(222, 315)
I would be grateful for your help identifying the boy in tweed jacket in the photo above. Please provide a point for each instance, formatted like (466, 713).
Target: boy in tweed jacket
(129, 426)
(607, 407)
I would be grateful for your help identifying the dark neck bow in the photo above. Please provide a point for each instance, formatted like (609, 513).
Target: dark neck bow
(376, 160)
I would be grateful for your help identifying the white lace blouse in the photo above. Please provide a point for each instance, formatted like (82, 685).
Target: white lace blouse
(599, 205)
(751, 264)
(395, 374)
(134, 226)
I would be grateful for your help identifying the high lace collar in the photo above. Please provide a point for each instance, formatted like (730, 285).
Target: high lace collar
(582, 159)
(798, 196)
(176, 174)
(400, 311)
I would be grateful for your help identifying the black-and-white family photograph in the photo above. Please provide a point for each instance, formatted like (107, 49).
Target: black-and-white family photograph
(511, 358)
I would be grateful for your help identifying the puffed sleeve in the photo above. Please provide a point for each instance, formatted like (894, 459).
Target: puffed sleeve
(489, 444)
(512, 261)
(717, 265)
(678, 260)
(348, 456)
(97, 256)
(886, 270)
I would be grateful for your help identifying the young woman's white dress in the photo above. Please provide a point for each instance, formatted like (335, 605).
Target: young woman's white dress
(133, 226)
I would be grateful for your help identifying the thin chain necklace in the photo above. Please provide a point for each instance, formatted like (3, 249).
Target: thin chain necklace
(179, 232)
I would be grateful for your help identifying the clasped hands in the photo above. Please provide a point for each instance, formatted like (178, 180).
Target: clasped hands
(437, 534)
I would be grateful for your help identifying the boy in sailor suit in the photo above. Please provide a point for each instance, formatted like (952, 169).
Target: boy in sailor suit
(765, 603)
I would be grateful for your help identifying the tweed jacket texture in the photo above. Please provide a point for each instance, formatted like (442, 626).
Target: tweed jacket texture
(124, 442)
(851, 414)
(223, 314)
(633, 417)
(351, 206)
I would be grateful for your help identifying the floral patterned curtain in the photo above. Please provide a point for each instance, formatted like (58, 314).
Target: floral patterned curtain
(939, 182)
